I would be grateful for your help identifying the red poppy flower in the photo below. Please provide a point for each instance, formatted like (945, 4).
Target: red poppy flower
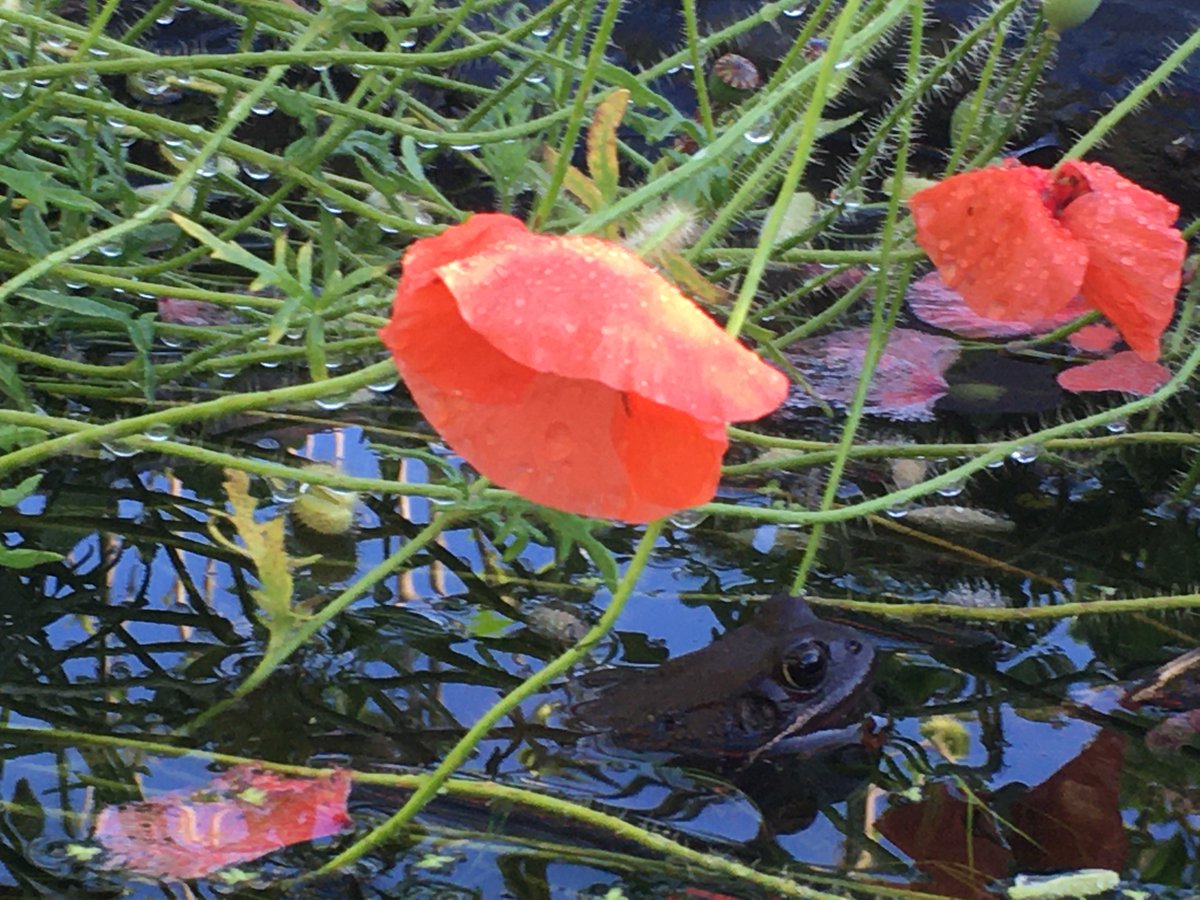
(567, 370)
(1019, 242)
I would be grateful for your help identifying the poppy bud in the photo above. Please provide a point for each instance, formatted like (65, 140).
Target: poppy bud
(1064, 14)
(325, 510)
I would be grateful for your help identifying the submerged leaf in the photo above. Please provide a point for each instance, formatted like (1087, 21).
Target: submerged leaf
(240, 815)
(263, 543)
(907, 381)
(936, 303)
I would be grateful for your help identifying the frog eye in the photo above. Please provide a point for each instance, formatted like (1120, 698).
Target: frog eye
(804, 666)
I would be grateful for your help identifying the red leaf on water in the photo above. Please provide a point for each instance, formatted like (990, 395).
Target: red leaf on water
(191, 312)
(955, 843)
(1095, 338)
(1124, 371)
(907, 381)
(240, 815)
(1072, 820)
(935, 303)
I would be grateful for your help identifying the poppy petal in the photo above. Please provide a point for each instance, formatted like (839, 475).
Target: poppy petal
(1098, 338)
(673, 461)
(588, 308)
(580, 446)
(1124, 371)
(1135, 253)
(428, 338)
(479, 232)
(995, 241)
(935, 304)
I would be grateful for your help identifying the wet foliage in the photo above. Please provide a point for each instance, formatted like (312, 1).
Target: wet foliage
(266, 630)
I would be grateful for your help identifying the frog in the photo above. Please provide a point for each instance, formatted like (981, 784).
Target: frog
(768, 688)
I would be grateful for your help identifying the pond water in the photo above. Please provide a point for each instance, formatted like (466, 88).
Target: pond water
(984, 749)
(984, 728)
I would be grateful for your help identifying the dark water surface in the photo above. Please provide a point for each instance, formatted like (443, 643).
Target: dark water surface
(146, 625)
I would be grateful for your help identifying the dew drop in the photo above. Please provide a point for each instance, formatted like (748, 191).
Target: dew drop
(120, 450)
(760, 132)
(1118, 426)
(334, 402)
(112, 251)
(263, 107)
(687, 519)
(283, 491)
(542, 31)
(1025, 454)
(329, 206)
(255, 172)
(160, 431)
(953, 489)
(382, 387)
(898, 510)
(12, 90)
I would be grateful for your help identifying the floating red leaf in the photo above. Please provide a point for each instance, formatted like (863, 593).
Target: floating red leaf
(1125, 371)
(240, 815)
(191, 312)
(569, 371)
(1018, 242)
(1072, 820)
(935, 303)
(907, 381)
(1095, 338)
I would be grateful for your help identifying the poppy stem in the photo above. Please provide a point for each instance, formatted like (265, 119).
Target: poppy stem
(1136, 97)
(577, 118)
(821, 94)
(461, 751)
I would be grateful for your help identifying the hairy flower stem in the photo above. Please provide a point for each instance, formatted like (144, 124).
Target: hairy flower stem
(461, 751)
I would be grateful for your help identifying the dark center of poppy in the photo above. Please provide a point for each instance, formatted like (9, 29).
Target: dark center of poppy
(1063, 191)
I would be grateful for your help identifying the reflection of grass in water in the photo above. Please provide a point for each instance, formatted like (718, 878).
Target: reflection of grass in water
(355, 174)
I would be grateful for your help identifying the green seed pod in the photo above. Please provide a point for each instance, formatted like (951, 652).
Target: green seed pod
(1064, 14)
(325, 510)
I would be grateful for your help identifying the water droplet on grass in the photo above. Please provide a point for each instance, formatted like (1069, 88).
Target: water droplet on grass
(953, 489)
(334, 402)
(760, 132)
(687, 519)
(160, 431)
(1025, 454)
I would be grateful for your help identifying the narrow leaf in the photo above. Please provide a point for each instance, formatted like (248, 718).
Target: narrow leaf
(14, 495)
(231, 252)
(25, 558)
(577, 184)
(602, 143)
(81, 306)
